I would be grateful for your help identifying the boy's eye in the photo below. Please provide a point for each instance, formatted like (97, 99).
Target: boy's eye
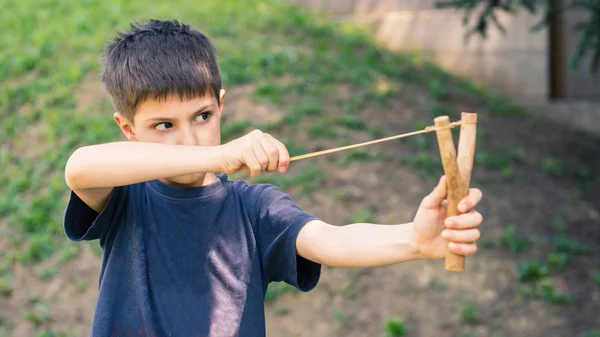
(163, 126)
(203, 116)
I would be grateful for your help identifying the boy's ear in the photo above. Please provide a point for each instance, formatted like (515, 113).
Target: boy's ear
(126, 126)
(221, 100)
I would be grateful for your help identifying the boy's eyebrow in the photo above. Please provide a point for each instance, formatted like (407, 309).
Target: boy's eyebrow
(197, 111)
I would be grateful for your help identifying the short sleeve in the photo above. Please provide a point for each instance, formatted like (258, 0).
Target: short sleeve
(83, 223)
(279, 221)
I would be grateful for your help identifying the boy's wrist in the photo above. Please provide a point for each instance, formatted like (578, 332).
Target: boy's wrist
(413, 242)
(221, 157)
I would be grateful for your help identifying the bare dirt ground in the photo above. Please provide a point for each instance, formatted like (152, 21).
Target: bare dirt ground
(431, 301)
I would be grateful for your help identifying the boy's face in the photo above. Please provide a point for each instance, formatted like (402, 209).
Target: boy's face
(176, 122)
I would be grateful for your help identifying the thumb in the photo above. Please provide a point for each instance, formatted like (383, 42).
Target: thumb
(437, 196)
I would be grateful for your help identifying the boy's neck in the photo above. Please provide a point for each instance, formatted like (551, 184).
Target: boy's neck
(203, 180)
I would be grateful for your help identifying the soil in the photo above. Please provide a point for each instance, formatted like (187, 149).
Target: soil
(358, 302)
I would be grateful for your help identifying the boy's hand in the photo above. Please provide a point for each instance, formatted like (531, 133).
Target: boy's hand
(254, 153)
(435, 233)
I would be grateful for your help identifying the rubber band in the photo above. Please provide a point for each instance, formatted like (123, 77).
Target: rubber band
(427, 129)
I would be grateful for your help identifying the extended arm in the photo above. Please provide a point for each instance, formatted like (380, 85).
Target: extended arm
(357, 245)
(370, 245)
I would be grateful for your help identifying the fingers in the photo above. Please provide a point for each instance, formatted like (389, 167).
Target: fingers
(465, 249)
(472, 199)
(461, 236)
(265, 153)
(253, 163)
(462, 232)
(271, 152)
(472, 219)
(284, 155)
(437, 196)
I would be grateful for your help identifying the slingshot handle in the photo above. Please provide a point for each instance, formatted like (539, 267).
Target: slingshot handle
(457, 171)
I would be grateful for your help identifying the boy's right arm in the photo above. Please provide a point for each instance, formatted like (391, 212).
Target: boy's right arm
(93, 171)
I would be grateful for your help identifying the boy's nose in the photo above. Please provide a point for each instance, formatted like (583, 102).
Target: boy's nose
(188, 137)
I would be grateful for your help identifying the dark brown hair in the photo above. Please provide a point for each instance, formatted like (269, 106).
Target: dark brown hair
(156, 60)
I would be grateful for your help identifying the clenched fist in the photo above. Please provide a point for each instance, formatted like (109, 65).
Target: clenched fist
(254, 153)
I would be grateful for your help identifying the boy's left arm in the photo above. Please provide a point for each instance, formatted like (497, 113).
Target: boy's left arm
(370, 245)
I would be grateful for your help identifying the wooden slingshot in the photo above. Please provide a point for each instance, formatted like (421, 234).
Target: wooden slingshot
(457, 168)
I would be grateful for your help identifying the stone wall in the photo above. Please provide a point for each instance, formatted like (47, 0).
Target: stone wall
(515, 64)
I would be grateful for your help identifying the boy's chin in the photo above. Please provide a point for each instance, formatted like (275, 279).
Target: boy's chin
(188, 180)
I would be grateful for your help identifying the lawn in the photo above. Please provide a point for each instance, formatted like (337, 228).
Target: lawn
(314, 85)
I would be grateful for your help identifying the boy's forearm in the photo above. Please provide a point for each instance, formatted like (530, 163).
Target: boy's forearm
(122, 163)
(363, 245)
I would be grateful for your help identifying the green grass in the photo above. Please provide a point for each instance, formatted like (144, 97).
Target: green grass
(5, 288)
(468, 313)
(596, 277)
(364, 214)
(428, 165)
(536, 277)
(295, 60)
(591, 333)
(43, 68)
(305, 181)
(277, 289)
(513, 242)
(395, 327)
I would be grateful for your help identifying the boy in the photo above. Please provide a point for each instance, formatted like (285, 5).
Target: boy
(187, 252)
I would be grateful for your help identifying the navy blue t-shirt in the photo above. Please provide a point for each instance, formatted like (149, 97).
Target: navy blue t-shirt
(191, 261)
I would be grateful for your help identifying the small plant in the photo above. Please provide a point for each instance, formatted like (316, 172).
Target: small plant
(436, 284)
(272, 92)
(596, 277)
(349, 291)
(232, 130)
(503, 107)
(321, 130)
(591, 333)
(364, 214)
(351, 122)
(293, 148)
(486, 243)
(543, 288)
(5, 288)
(436, 89)
(79, 285)
(395, 327)
(40, 248)
(546, 290)
(308, 108)
(559, 223)
(39, 315)
(47, 273)
(562, 244)
(531, 271)
(67, 253)
(468, 313)
(441, 109)
(281, 309)
(307, 180)
(552, 165)
(513, 242)
(557, 260)
(358, 154)
(277, 289)
(497, 161)
(341, 317)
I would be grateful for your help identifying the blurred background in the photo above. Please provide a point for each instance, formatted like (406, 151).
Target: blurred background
(321, 74)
